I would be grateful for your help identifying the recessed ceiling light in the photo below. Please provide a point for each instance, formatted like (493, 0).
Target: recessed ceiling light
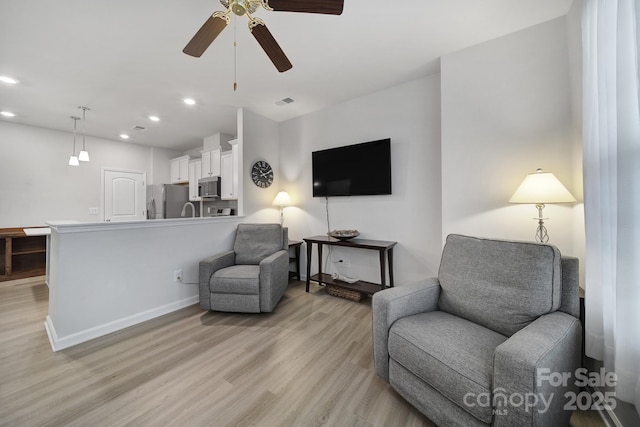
(154, 118)
(7, 113)
(124, 136)
(8, 80)
(189, 101)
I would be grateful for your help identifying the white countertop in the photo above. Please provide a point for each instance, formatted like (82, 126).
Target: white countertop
(77, 226)
(39, 231)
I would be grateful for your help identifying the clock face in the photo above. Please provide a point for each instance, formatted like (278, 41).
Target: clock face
(262, 174)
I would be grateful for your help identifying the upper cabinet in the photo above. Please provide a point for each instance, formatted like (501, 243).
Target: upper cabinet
(195, 173)
(211, 163)
(230, 168)
(179, 170)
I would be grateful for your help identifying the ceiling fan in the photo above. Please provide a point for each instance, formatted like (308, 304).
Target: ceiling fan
(219, 21)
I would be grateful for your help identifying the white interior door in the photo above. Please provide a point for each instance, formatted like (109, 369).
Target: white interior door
(124, 195)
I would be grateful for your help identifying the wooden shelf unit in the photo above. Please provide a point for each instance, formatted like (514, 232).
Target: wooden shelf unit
(367, 288)
(385, 252)
(21, 255)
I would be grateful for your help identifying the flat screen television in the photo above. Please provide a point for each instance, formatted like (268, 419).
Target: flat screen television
(353, 170)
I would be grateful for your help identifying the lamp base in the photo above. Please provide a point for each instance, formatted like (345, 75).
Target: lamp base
(541, 232)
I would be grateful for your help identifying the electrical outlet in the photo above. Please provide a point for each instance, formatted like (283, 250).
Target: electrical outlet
(177, 275)
(93, 211)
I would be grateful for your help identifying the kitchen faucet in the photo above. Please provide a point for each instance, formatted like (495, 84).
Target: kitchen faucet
(184, 210)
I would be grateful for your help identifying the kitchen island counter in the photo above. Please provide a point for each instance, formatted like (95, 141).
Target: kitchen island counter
(107, 276)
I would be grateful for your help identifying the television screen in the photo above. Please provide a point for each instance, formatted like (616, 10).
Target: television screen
(353, 170)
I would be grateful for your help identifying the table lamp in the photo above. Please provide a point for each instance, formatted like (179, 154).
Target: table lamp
(539, 188)
(282, 200)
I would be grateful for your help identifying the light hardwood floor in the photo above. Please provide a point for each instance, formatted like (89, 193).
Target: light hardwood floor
(308, 364)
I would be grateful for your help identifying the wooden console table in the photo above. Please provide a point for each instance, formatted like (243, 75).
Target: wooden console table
(383, 247)
(21, 255)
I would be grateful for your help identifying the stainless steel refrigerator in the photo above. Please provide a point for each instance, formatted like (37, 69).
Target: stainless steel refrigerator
(167, 201)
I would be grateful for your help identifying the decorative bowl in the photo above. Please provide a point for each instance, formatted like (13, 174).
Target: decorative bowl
(344, 234)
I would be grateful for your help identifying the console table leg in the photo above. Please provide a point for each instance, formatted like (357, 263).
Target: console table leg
(319, 263)
(309, 245)
(390, 261)
(383, 273)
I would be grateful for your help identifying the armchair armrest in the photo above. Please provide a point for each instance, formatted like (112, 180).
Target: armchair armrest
(274, 278)
(524, 364)
(207, 267)
(392, 304)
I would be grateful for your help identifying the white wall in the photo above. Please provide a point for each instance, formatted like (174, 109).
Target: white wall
(260, 142)
(506, 110)
(574, 37)
(38, 185)
(410, 115)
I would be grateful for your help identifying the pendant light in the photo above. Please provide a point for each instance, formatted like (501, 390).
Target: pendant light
(73, 160)
(84, 154)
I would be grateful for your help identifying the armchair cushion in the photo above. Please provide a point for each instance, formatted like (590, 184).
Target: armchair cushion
(451, 354)
(499, 284)
(237, 279)
(255, 242)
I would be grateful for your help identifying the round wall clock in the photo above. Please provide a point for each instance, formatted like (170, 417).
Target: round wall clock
(262, 174)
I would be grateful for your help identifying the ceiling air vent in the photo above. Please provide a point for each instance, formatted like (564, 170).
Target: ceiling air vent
(138, 128)
(284, 102)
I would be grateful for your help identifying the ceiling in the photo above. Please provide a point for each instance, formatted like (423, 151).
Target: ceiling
(123, 59)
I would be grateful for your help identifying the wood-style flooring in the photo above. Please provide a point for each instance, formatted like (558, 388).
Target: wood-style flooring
(307, 364)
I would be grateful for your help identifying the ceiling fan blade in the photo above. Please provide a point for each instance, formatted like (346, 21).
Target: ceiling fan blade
(328, 7)
(206, 34)
(269, 45)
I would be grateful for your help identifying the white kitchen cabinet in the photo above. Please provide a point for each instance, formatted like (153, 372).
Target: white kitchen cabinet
(179, 170)
(195, 173)
(226, 168)
(211, 163)
(229, 170)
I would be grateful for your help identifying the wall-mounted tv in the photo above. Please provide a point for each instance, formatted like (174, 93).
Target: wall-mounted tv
(353, 170)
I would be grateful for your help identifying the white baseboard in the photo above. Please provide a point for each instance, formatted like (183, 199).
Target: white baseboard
(59, 343)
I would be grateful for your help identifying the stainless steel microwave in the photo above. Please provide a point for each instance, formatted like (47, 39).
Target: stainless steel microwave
(209, 187)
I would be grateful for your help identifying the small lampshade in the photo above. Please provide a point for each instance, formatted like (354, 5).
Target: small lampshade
(282, 199)
(540, 188)
(83, 156)
(73, 160)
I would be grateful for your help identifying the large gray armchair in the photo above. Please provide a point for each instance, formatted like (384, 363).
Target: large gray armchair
(478, 345)
(252, 277)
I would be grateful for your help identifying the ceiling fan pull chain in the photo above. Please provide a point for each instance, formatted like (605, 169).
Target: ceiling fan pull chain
(235, 54)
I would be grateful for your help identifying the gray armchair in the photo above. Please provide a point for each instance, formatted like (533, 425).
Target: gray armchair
(252, 277)
(476, 345)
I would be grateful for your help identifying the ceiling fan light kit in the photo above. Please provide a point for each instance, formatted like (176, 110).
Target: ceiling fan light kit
(219, 21)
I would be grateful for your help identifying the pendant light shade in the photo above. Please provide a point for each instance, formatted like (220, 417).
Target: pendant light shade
(84, 154)
(73, 159)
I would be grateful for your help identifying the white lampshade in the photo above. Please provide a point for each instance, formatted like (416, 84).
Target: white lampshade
(73, 161)
(282, 199)
(83, 156)
(540, 188)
